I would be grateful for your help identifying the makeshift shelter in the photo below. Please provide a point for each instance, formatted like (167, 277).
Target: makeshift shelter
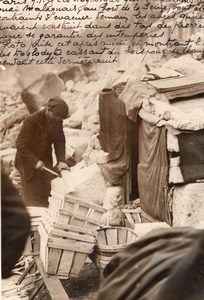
(161, 142)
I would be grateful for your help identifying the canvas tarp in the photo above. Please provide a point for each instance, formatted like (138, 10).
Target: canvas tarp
(153, 171)
(112, 136)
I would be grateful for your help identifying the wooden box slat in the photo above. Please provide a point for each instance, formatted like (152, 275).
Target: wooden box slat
(73, 211)
(66, 263)
(84, 203)
(72, 235)
(77, 217)
(73, 228)
(79, 261)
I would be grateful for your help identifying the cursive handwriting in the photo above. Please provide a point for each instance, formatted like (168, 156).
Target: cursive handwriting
(75, 32)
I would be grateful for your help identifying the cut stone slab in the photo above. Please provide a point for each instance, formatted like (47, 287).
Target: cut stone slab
(188, 204)
(86, 184)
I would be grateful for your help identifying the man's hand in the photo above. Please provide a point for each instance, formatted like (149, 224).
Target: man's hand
(62, 166)
(40, 165)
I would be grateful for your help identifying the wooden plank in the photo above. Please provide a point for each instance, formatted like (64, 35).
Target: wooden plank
(122, 237)
(36, 241)
(177, 83)
(101, 237)
(129, 237)
(66, 263)
(78, 263)
(43, 243)
(183, 93)
(53, 260)
(70, 246)
(84, 203)
(53, 284)
(129, 217)
(132, 210)
(112, 236)
(73, 228)
(77, 216)
(72, 235)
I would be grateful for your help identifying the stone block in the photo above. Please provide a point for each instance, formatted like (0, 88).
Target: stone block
(188, 204)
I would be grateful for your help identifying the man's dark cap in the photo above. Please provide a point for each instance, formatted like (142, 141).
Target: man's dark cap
(59, 107)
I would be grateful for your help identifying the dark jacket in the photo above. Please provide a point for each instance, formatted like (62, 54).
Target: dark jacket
(35, 140)
(34, 143)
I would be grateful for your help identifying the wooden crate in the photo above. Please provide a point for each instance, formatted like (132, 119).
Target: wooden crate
(64, 248)
(76, 212)
(32, 246)
(67, 231)
(110, 240)
(56, 201)
(132, 215)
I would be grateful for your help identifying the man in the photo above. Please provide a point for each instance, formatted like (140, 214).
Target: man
(15, 225)
(40, 131)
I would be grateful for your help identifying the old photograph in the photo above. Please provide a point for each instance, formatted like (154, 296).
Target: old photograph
(102, 149)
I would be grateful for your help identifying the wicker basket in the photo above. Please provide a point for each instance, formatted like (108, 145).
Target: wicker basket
(110, 240)
(73, 211)
(64, 248)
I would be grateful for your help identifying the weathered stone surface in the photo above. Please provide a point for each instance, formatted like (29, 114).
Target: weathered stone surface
(75, 73)
(175, 175)
(87, 184)
(72, 101)
(185, 65)
(40, 91)
(172, 142)
(93, 153)
(112, 202)
(188, 204)
(75, 121)
(113, 217)
(78, 140)
(113, 197)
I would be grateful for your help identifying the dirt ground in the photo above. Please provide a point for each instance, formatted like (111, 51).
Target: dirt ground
(84, 287)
